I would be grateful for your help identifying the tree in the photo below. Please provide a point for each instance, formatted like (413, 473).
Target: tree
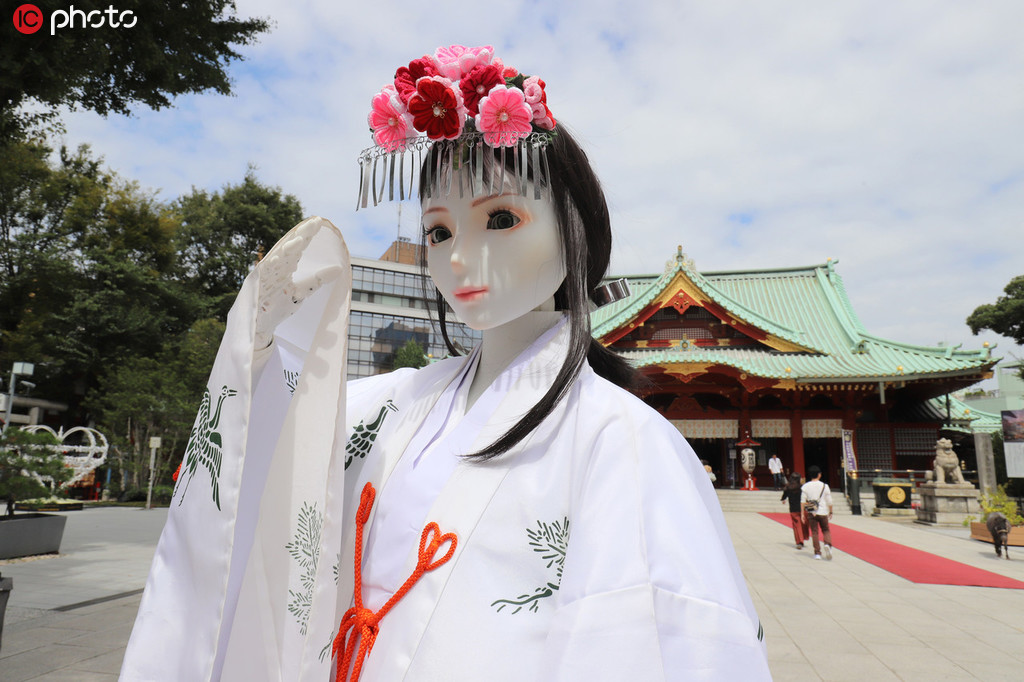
(88, 262)
(155, 396)
(25, 458)
(172, 49)
(223, 234)
(410, 355)
(1005, 316)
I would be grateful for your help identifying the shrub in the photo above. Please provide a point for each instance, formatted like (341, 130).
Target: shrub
(25, 458)
(998, 501)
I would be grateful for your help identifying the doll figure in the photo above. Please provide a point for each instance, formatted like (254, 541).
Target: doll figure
(512, 513)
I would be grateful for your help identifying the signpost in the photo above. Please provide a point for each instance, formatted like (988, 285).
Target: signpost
(154, 445)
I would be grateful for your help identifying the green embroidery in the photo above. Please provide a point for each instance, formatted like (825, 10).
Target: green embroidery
(362, 438)
(550, 540)
(205, 445)
(291, 380)
(305, 549)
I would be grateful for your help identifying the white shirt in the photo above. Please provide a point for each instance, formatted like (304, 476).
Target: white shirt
(813, 490)
(775, 465)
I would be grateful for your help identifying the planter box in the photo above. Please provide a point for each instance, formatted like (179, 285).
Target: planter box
(28, 534)
(980, 532)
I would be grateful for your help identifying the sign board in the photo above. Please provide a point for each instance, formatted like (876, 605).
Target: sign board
(1013, 442)
(849, 456)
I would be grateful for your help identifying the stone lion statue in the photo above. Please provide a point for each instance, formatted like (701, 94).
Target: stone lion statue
(947, 464)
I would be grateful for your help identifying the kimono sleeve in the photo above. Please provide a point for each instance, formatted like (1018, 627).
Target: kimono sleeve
(651, 588)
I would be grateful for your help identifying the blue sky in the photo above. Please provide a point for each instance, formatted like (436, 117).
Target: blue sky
(757, 135)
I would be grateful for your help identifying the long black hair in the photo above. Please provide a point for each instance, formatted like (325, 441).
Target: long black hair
(586, 238)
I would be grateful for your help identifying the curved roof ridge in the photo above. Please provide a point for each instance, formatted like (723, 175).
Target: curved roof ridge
(839, 307)
(983, 353)
(844, 298)
(753, 271)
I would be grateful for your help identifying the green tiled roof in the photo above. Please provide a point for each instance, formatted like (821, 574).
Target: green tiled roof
(962, 417)
(807, 306)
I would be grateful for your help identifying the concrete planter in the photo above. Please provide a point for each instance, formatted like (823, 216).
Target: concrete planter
(979, 531)
(28, 534)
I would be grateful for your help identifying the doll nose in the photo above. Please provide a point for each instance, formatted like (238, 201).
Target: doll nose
(458, 257)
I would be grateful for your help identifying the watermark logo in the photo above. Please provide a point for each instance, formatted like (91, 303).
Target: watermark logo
(28, 19)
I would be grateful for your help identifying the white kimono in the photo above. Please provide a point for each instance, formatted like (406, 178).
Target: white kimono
(593, 550)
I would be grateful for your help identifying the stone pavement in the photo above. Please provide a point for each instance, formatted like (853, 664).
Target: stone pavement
(824, 620)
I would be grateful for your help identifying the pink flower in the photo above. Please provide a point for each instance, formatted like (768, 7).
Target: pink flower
(504, 116)
(543, 121)
(456, 61)
(477, 83)
(437, 108)
(390, 121)
(406, 76)
(533, 88)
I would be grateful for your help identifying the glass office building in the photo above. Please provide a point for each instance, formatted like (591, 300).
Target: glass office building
(388, 309)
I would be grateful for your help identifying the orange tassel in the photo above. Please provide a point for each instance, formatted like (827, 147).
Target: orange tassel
(360, 624)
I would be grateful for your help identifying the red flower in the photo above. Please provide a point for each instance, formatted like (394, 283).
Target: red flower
(437, 109)
(477, 83)
(406, 76)
(509, 72)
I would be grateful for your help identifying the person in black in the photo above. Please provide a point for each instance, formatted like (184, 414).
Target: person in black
(792, 493)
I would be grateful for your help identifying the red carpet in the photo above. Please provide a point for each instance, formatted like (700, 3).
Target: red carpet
(912, 564)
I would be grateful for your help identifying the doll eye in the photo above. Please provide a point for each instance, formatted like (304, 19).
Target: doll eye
(502, 219)
(438, 234)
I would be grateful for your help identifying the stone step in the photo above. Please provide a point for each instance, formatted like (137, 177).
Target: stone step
(767, 501)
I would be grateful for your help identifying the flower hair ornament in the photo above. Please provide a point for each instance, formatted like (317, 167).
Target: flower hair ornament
(462, 99)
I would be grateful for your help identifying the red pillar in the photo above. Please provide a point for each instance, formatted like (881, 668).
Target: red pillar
(796, 434)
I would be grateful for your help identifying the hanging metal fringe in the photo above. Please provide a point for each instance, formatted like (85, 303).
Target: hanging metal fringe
(391, 179)
(537, 180)
(438, 179)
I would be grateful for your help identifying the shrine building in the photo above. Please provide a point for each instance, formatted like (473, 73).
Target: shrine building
(780, 356)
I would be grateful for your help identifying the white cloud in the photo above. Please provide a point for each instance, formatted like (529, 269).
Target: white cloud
(883, 134)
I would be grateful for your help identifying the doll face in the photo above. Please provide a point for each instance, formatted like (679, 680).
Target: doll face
(495, 257)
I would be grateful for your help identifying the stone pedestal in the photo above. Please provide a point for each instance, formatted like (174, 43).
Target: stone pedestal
(947, 505)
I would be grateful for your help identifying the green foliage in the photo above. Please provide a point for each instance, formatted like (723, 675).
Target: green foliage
(108, 292)
(224, 233)
(410, 355)
(22, 454)
(1005, 316)
(88, 261)
(173, 49)
(158, 396)
(999, 501)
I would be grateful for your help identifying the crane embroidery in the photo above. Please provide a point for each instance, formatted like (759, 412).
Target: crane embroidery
(362, 438)
(550, 540)
(205, 444)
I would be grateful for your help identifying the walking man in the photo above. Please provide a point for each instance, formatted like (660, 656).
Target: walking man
(816, 500)
(775, 466)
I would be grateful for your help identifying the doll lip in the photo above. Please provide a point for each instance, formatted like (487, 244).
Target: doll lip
(469, 293)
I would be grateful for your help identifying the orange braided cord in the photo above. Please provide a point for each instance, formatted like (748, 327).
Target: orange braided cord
(362, 624)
